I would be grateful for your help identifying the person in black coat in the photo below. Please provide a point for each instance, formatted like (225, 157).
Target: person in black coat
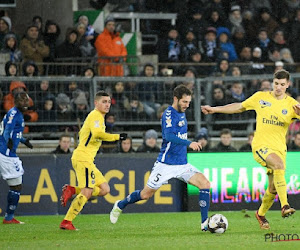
(225, 144)
(64, 145)
(149, 144)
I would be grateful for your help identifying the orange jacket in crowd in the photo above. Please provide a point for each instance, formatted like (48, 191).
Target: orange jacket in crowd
(8, 101)
(110, 44)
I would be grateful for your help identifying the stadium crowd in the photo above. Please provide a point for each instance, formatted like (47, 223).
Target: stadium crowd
(219, 38)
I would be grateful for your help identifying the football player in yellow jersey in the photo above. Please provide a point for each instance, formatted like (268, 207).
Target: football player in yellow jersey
(91, 182)
(274, 112)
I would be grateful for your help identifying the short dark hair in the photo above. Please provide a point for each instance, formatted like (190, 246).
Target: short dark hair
(181, 90)
(282, 74)
(64, 135)
(225, 131)
(100, 93)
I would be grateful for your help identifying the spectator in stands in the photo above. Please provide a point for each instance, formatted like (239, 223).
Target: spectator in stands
(215, 20)
(33, 47)
(11, 69)
(237, 92)
(189, 44)
(69, 49)
(209, 45)
(124, 146)
(89, 72)
(222, 68)
(264, 43)
(249, 25)
(257, 5)
(219, 98)
(274, 55)
(118, 97)
(292, 5)
(38, 22)
(134, 109)
(265, 85)
(286, 57)
(5, 27)
(64, 145)
(239, 39)
(47, 113)
(202, 138)
(8, 102)
(295, 27)
(225, 144)
(87, 50)
(285, 24)
(235, 19)
(223, 35)
(10, 48)
(51, 39)
(149, 144)
(295, 145)
(110, 123)
(109, 44)
(80, 106)
(149, 91)
(30, 69)
(64, 110)
(168, 48)
(41, 93)
(197, 58)
(257, 66)
(247, 147)
(195, 22)
(236, 71)
(278, 40)
(90, 33)
(265, 20)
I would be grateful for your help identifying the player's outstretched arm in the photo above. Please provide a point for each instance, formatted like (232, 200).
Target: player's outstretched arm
(297, 109)
(226, 109)
(27, 143)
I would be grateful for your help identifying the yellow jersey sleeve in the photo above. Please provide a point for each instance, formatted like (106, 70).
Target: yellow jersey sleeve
(251, 102)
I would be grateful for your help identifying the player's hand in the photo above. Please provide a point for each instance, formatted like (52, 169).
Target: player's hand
(196, 146)
(123, 136)
(297, 109)
(28, 144)
(207, 109)
(10, 144)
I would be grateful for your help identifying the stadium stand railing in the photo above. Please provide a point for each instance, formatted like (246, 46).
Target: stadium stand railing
(137, 102)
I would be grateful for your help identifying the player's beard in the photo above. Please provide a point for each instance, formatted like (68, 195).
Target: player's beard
(179, 108)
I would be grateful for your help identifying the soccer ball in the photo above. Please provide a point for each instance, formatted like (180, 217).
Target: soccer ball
(217, 223)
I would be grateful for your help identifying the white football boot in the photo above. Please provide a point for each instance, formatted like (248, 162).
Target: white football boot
(115, 213)
(204, 225)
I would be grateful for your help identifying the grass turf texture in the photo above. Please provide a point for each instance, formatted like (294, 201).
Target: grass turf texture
(148, 231)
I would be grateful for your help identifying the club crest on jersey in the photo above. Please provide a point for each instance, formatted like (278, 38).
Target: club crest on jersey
(168, 122)
(284, 111)
(97, 124)
(264, 104)
(181, 123)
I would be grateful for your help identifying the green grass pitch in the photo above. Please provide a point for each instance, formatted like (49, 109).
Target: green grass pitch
(148, 231)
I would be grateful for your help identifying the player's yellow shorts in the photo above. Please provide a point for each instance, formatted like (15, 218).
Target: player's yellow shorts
(88, 175)
(261, 153)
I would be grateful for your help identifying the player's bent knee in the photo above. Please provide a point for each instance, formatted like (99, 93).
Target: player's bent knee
(105, 190)
(279, 166)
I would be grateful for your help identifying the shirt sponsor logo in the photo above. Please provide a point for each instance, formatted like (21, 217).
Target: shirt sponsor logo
(284, 111)
(97, 124)
(182, 136)
(181, 123)
(168, 122)
(264, 104)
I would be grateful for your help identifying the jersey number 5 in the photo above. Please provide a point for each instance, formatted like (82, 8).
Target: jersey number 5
(157, 177)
